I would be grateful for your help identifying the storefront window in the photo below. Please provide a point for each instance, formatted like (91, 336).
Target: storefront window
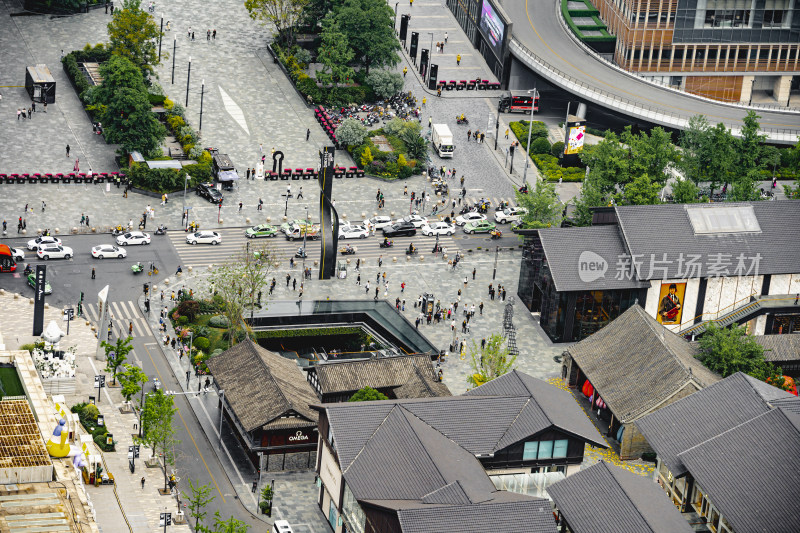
(352, 512)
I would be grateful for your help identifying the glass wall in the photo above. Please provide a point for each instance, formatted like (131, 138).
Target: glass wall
(352, 512)
(532, 484)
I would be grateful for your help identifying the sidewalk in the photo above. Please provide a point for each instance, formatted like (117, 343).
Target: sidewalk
(124, 506)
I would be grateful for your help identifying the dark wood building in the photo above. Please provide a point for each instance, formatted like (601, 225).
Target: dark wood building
(267, 401)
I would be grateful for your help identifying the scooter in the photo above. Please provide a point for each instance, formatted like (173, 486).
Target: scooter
(412, 252)
(460, 120)
(496, 234)
(161, 230)
(301, 253)
(118, 230)
(137, 268)
(347, 250)
(387, 244)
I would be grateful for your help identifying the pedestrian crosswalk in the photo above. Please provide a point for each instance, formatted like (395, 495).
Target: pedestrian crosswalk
(234, 244)
(125, 318)
(494, 201)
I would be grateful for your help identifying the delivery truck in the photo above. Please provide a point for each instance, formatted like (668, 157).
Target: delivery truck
(442, 140)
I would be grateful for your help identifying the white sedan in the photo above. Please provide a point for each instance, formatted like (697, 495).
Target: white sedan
(353, 232)
(379, 222)
(108, 250)
(438, 228)
(54, 251)
(472, 216)
(133, 237)
(33, 244)
(509, 214)
(417, 220)
(204, 237)
(19, 254)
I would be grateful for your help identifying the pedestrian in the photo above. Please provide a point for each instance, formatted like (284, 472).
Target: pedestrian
(19, 112)
(87, 220)
(288, 279)
(300, 193)
(358, 279)
(294, 284)
(208, 35)
(366, 288)
(445, 37)
(192, 36)
(358, 263)
(45, 106)
(424, 101)
(405, 71)
(403, 287)
(33, 106)
(112, 8)
(458, 59)
(506, 133)
(430, 122)
(248, 174)
(439, 91)
(93, 273)
(380, 261)
(130, 328)
(240, 207)
(376, 293)
(179, 270)
(405, 190)
(30, 113)
(214, 35)
(474, 271)
(308, 134)
(411, 3)
(5, 227)
(142, 482)
(469, 135)
(260, 204)
(481, 308)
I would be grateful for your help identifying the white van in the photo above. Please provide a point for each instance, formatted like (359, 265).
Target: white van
(281, 526)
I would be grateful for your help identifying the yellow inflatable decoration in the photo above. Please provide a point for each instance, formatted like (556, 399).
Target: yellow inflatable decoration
(57, 443)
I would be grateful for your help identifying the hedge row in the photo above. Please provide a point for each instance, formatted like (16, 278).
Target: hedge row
(541, 152)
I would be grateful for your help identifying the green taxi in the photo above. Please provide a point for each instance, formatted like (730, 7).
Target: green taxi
(262, 230)
(479, 226)
(32, 282)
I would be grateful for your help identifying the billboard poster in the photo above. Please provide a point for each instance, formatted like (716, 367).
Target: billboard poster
(493, 28)
(38, 305)
(575, 140)
(670, 303)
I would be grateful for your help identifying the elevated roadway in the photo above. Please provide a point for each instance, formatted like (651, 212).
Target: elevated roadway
(541, 41)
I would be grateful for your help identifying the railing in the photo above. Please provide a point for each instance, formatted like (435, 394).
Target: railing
(719, 312)
(756, 303)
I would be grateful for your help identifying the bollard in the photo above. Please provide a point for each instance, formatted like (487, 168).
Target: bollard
(247, 220)
(74, 229)
(221, 221)
(189, 268)
(57, 231)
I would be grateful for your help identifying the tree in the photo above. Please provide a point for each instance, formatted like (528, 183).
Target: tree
(722, 156)
(369, 26)
(283, 14)
(231, 525)
(239, 282)
(751, 152)
(591, 196)
(129, 122)
(116, 354)
(157, 430)
(366, 157)
(684, 191)
(132, 379)
(334, 54)
(641, 191)
(385, 83)
(490, 362)
(417, 148)
(351, 132)
(608, 163)
(118, 72)
(694, 143)
(134, 34)
(544, 209)
(367, 394)
(650, 154)
(730, 350)
(199, 496)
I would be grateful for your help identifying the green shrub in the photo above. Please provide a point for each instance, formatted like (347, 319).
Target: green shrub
(219, 321)
(90, 412)
(557, 149)
(201, 343)
(183, 320)
(200, 331)
(189, 308)
(100, 440)
(99, 430)
(540, 146)
(78, 407)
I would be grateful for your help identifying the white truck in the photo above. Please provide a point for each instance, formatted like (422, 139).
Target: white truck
(442, 140)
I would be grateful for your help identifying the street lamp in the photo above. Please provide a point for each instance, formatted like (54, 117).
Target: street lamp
(530, 129)
(430, 58)
(174, 47)
(202, 91)
(304, 245)
(221, 413)
(188, 79)
(160, 37)
(185, 214)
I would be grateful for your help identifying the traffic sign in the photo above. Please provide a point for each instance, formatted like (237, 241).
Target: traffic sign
(165, 519)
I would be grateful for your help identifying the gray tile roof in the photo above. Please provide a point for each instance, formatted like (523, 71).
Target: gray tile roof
(605, 497)
(524, 516)
(636, 364)
(261, 386)
(791, 404)
(380, 373)
(751, 472)
(779, 348)
(704, 415)
(563, 248)
(655, 230)
(421, 385)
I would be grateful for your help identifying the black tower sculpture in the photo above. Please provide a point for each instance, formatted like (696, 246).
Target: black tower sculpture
(329, 218)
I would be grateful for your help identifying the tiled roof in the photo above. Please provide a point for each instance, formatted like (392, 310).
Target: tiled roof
(751, 472)
(261, 386)
(636, 364)
(564, 246)
(379, 373)
(655, 230)
(779, 348)
(593, 499)
(531, 515)
(791, 404)
(704, 415)
(421, 385)
(516, 406)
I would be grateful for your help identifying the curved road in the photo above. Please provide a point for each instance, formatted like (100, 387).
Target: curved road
(538, 27)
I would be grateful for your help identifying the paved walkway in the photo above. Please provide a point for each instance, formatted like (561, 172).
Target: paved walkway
(126, 503)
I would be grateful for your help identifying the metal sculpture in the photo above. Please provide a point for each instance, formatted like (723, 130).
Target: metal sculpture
(329, 232)
(277, 162)
(509, 329)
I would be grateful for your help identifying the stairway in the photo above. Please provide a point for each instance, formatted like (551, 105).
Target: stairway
(755, 307)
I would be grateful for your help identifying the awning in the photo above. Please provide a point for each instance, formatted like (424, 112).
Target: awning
(227, 175)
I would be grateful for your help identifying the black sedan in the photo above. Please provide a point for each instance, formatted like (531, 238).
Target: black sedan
(209, 192)
(400, 229)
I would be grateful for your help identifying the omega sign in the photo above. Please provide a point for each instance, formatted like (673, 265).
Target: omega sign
(298, 437)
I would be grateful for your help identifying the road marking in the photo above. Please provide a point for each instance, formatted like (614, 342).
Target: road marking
(213, 479)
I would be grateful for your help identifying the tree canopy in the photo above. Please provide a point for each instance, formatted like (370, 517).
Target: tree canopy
(134, 35)
(491, 361)
(369, 26)
(544, 208)
(730, 350)
(334, 55)
(283, 14)
(367, 394)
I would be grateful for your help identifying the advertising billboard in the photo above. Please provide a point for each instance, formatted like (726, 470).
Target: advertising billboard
(493, 28)
(670, 303)
(577, 133)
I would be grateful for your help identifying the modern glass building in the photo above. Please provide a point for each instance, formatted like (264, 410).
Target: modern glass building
(722, 49)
